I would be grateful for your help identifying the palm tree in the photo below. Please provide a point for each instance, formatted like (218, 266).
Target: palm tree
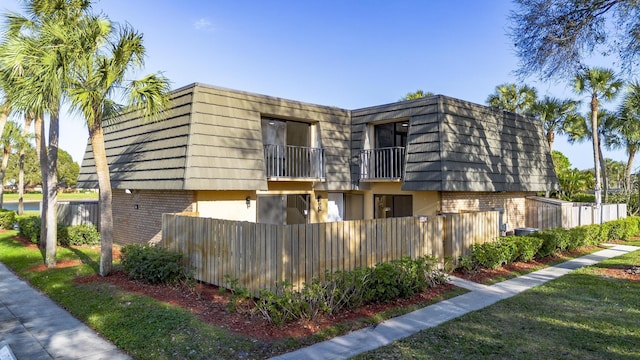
(553, 113)
(513, 98)
(37, 53)
(627, 129)
(99, 76)
(11, 137)
(616, 171)
(416, 95)
(599, 84)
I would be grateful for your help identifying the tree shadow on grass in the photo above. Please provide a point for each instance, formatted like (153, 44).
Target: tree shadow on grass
(84, 258)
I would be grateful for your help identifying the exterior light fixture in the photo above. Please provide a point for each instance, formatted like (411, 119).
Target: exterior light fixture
(127, 191)
(248, 201)
(405, 124)
(319, 203)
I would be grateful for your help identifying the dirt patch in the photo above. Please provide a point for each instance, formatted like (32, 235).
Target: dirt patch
(627, 273)
(26, 242)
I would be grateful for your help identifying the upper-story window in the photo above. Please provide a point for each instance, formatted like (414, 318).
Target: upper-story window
(385, 158)
(285, 132)
(391, 135)
(291, 150)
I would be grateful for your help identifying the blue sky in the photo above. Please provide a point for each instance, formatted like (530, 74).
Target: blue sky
(349, 54)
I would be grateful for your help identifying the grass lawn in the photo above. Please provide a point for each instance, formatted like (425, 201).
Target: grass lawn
(61, 196)
(583, 315)
(141, 326)
(144, 327)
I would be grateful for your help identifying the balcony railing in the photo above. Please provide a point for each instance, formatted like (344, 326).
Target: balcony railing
(382, 163)
(294, 162)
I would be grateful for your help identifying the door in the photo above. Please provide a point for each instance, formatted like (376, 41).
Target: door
(274, 141)
(387, 206)
(283, 209)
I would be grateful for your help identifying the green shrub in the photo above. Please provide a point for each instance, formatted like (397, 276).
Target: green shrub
(7, 219)
(595, 234)
(622, 229)
(526, 246)
(84, 234)
(494, 254)
(400, 278)
(554, 241)
(581, 236)
(467, 262)
(349, 289)
(29, 227)
(152, 264)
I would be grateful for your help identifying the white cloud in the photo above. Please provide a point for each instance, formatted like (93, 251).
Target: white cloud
(203, 24)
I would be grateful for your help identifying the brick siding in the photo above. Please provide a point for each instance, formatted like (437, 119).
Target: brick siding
(143, 224)
(513, 204)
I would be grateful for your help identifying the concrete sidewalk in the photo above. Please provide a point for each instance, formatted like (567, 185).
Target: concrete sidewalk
(36, 328)
(479, 297)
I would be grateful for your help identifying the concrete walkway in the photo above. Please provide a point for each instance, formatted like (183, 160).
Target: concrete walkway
(36, 328)
(479, 297)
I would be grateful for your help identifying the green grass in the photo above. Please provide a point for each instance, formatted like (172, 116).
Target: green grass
(149, 329)
(61, 196)
(580, 315)
(139, 325)
(583, 315)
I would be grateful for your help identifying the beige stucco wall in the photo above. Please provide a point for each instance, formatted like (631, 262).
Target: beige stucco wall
(229, 205)
(513, 204)
(424, 202)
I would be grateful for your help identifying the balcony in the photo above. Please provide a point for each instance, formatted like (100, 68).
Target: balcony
(382, 164)
(286, 162)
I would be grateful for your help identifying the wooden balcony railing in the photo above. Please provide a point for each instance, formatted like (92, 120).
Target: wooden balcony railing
(382, 163)
(293, 162)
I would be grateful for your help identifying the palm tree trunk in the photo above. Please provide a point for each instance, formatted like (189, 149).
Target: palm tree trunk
(551, 136)
(52, 191)
(41, 151)
(596, 147)
(3, 170)
(605, 174)
(104, 184)
(27, 124)
(48, 166)
(632, 155)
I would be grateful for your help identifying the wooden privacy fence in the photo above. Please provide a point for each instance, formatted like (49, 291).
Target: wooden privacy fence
(260, 256)
(78, 213)
(545, 213)
(464, 230)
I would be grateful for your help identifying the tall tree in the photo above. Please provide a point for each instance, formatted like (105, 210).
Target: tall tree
(513, 98)
(599, 84)
(553, 113)
(31, 167)
(553, 37)
(37, 53)
(101, 74)
(416, 95)
(627, 128)
(11, 138)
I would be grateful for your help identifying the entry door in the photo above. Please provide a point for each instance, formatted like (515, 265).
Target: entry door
(283, 209)
(387, 206)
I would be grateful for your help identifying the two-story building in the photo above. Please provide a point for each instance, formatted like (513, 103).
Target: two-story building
(241, 156)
